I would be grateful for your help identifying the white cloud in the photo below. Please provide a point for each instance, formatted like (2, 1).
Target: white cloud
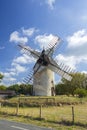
(7, 81)
(29, 31)
(67, 60)
(20, 60)
(13, 73)
(78, 39)
(76, 49)
(51, 3)
(8, 78)
(15, 37)
(9, 74)
(20, 68)
(84, 17)
(84, 72)
(22, 36)
(44, 40)
(19, 63)
(71, 60)
(77, 44)
(24, 59)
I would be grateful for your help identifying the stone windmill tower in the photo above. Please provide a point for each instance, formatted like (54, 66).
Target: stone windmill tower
(44, 68)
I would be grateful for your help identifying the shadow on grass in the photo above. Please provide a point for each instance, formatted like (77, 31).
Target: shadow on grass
(63, 122)
(69, 123)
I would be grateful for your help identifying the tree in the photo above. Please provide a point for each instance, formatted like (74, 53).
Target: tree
(60, 89)
(1, 76)
(68, 87)
(2, 87)
(21, 89)
(81, 92)
(15, 88)
(25, 89)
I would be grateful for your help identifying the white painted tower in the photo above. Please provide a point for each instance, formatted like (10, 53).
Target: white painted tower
(43, 82)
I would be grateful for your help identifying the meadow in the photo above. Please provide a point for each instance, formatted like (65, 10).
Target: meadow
(52, 112)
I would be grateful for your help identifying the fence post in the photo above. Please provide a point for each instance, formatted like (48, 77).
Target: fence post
(0, 104)
(17, 108)
(73, 115)
(40, 111)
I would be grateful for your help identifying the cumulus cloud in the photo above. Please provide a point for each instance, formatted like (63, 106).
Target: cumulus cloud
(51, 3)
(29, 32)
(14, 71)
(23, 59)
(84, 17)
(77, 43)
(8, 78)
(67, 60)
(78, 39)
(20, 68)
(76, 49)
(20, 59)
(44, 40)
(15, 37)
(22, 36)
(71, 60)
(84, 72)
(12, 74)
(17, 67)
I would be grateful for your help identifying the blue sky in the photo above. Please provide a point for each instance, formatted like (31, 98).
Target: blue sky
(34, 23)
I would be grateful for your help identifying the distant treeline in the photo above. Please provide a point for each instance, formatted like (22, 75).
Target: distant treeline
(19, 89)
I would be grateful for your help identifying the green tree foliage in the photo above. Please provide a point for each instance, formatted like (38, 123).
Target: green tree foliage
(14, 87)
(21, 89)
(2, 87)
(25, 89)
(1, 77)
(69, 87)
(81, 92)
(60, 89)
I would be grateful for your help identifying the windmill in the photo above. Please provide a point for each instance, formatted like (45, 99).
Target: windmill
(44, 68)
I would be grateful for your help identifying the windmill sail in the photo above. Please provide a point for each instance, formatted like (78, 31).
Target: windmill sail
(29, 78)
(61, 69)
(53, 45)
(30, 51)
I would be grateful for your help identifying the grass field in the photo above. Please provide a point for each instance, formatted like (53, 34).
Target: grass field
(56, 117)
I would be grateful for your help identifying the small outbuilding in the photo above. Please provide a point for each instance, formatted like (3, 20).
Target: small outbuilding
(8, 93)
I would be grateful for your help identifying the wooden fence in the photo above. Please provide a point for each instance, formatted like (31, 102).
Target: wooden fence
(75, 113)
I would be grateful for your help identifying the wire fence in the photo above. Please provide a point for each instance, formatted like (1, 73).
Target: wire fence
(64, 113)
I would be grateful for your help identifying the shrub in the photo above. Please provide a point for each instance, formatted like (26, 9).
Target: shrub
(81, 92)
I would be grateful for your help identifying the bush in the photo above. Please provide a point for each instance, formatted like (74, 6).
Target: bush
(81, 92)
